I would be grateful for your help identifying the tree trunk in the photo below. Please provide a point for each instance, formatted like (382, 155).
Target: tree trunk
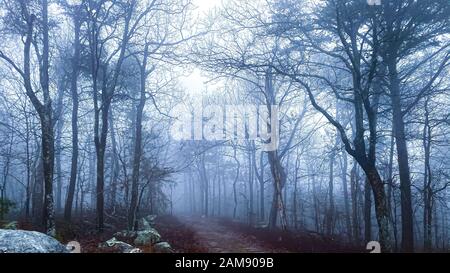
(295, 193)
(354, 181)
(348, 224)
(390, 189)
(28, 163)
(48, 163)
(402, 158)
(381, 211)
(235, 182)
(367, 212)
(427, 187)
(37, 197)
(6, 169)
(132, 217)
(205, 187)
(108, 90)
(100, 146)
(330, 212)
(74, 92)
(45, 114)
(114, 163)
(60, 124)
(260, 177)
(279, 179)
(219, 187)
(43, 109)
(250, 184)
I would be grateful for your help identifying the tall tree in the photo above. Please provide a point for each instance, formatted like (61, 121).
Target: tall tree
(98, 19)
(337, 19)
(408, 26)
(42, 106)
(76, 14)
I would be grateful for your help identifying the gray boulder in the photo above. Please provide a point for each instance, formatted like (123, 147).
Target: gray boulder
(147, 222)
(144, 224)
(261, 225)
(126, 234)
(163, 247)
(22, 241)
(151, 219)
(147, 237)
(119, 246)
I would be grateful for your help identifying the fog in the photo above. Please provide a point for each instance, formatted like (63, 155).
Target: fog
(327, 117)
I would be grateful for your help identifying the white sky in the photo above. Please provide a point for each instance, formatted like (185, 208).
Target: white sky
(195, 82)
(205, 5)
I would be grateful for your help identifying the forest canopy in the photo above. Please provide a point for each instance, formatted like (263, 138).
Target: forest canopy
(354, 95)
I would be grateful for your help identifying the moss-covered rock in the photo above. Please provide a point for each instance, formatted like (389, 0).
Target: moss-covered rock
(144, 224)
(147, 237)
(119, 246)
(126, 234)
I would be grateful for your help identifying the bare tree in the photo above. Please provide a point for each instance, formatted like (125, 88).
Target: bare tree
(77, 17)
(43, 107)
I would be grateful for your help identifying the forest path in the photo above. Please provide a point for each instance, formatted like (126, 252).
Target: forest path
(217, 238)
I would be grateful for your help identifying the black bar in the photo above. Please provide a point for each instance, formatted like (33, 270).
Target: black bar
(228, 262)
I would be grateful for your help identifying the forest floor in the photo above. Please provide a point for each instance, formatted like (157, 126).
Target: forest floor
(190, 234)
(195, 234)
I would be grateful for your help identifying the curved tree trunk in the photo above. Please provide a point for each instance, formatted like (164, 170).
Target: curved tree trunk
(279, 179)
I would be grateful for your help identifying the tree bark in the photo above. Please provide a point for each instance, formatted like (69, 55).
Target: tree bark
(132, 217)
(344, 165)
(114, 163)
(37, 197)
(381, 212)
(402, 159)
(250, 189)
(330, 211)
(235, 182)
(279, 179)
(367, 213)
(59, 126)
(260, 177)
(354, 181)
(427, 186)
(74, 92)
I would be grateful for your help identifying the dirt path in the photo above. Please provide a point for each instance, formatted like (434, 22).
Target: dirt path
(217, 238)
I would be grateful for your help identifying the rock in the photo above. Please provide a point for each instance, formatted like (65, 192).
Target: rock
(135, 250)
(22, 241)
(126, 234)
(163, 247)
(11, 225)
(261, 225)
(147, 222)
(73, 247)
(144, 224)
(151, 219)
(120, 246)
(147, 237)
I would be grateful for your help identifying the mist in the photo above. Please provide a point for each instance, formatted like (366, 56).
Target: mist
(326, 120)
